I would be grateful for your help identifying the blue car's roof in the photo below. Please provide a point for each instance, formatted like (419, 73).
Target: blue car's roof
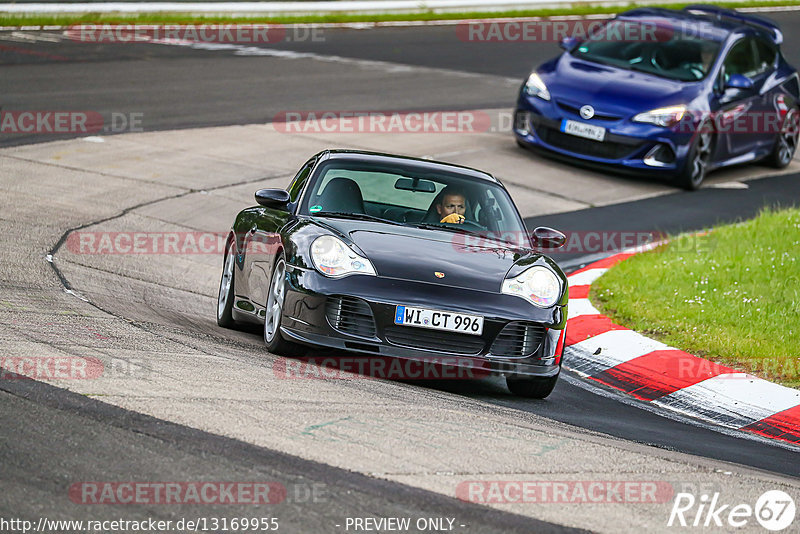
(711, 22)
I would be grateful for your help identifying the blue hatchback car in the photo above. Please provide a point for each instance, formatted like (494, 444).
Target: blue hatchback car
(666, 92)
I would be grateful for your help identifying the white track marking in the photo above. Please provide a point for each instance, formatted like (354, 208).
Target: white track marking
(41, 37)
(616, 347)
(735, 399)
(578, 307)
(586, 277)
(385, 66)
(23, 37)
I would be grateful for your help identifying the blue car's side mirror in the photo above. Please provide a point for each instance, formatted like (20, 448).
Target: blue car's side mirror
(569, 43)
(739, 81)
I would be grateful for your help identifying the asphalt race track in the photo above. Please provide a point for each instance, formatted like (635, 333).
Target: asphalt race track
(188, 401)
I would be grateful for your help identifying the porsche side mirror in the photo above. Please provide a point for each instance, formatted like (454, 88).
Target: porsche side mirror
(739, 81)
(273, 198)
(544, 237)
(569, 43)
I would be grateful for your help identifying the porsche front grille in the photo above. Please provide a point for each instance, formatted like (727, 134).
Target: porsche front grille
(350, 315)
(423, 338)
(518, 340)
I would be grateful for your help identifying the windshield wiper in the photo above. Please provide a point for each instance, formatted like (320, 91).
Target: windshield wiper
(482, 234)
(637, 68)
(357, 216)
(587, 56)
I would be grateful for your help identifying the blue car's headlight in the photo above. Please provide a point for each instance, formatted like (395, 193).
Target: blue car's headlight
(333, 258)
(536, 87)
(665, 117)
(538, 285)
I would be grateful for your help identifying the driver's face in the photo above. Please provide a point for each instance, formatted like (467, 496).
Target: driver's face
(451, 204)
(707, 57)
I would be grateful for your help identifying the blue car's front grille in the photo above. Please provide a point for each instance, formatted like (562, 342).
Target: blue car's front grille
(579, 145)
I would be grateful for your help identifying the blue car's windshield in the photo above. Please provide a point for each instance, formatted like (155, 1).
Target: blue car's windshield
(412, 197)
(668, 51)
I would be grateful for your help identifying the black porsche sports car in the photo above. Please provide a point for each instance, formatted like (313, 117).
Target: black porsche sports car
(399, 257)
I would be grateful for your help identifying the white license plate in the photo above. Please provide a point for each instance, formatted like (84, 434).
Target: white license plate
(581, 129)
(439, 320)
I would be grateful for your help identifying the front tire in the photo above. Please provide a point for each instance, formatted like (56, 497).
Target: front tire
(226, 289)
(532, 387)
(695, 167)
(786, 141)
(273, 339)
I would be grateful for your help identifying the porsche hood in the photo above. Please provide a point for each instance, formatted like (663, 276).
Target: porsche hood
(448, 258)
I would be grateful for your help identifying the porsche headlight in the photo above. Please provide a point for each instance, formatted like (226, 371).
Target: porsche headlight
(333, 258)
(538, 285)
(665, 117)
(536, 87)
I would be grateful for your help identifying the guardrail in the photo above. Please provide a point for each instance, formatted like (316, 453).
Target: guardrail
(305, 8)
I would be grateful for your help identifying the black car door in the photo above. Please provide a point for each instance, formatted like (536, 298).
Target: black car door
(263, 240)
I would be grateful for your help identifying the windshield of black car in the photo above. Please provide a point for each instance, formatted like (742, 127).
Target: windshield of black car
(415, 197)
(674, 51)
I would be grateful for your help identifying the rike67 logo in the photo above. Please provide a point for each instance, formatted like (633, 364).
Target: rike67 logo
(774, 510)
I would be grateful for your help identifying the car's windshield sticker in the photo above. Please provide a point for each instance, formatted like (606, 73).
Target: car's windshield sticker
(315, 209)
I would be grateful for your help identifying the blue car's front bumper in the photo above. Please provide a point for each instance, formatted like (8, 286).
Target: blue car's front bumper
(636, 147)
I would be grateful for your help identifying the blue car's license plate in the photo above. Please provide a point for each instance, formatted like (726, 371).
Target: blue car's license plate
(581, 129)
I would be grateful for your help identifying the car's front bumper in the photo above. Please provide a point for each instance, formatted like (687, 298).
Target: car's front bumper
(308, 319)
(635, 147)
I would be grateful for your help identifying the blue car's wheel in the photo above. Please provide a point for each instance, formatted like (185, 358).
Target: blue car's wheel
(786, 142)
(695, 167)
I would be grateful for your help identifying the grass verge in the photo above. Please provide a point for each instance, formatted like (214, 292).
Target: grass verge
(732, 295)
(65, 19)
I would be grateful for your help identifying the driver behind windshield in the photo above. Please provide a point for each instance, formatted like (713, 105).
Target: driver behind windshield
(452, 206)
(700, 60)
